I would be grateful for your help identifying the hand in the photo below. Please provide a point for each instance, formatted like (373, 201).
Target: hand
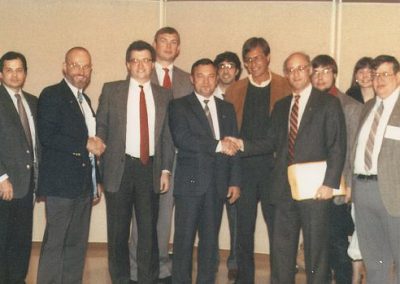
(97, 197)
(233, 194)
(95, 146)
(6, 190)
(347, 197)
(237, 141)
(228, 147)
(165, 182)
(324, 193)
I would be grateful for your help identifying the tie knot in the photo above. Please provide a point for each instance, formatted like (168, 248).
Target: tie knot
(166, 70)
(141, 87)
(297, 97)
(18, 96)
(80, 97)
(206, 101)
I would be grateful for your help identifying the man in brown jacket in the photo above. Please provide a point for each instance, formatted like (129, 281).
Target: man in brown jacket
(254, 98)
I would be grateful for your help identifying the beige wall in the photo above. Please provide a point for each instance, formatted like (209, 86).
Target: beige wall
(44, 29)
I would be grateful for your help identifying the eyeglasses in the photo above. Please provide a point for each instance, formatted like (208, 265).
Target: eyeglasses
(383, 75)
(300, 68)
(255, 59)
(322, 72)
(227, 66)
(143, 60)
(79, 67)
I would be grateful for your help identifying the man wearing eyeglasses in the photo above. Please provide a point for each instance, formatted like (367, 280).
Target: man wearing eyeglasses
(132, 119)
(166, 74)
(376, 177)
(68, 178)
(254, 98)
(323, 78)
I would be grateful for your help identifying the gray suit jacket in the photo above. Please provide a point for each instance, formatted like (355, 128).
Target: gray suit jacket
(181, 84)
(15, 158)
(352, 111)
(388, 161)
(111, 127)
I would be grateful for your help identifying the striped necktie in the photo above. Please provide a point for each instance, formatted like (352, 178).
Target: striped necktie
(369, 148)
(293, 122)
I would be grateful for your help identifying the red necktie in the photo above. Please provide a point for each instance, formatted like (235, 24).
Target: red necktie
(144, 129)
(167, 80)
(293, 128)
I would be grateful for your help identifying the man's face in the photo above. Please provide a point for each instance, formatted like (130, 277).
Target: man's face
(322, 78)
(13, 74)
(204, 79)
(385, 80)
(78, 68)
(167, 47)
(140, 65)
(298, 71)
(256, 62)
(227, 72)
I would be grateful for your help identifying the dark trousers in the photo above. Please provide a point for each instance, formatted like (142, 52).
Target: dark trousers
(136, 190)
(339, 230)
(255, 186)
(65, 240)
(196, 214)
(15, 238)
(231, 212)
(313, 218)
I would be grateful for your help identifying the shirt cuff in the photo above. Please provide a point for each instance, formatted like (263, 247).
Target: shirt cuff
(166, 172)
(219, 147)
(3, 177)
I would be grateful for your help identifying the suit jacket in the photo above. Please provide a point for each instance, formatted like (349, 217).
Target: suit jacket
(388, 161)
(352, 111)
(321, 136)
(111, 127)
(199, 168)
(181, 84)
(236, 94)
(15, 157)
(65, 164)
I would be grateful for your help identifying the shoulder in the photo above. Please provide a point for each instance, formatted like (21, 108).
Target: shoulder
(158, 90)
(238, 85)
(278, 78)
(180, 72)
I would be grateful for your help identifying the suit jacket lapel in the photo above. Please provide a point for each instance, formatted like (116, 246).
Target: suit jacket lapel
(154, 78)
(395, 116)
(221, 118)
(72, 101)
(308, 112)
(199, 112)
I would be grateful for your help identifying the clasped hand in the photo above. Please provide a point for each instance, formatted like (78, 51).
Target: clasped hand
(230, 145)
(95, 146)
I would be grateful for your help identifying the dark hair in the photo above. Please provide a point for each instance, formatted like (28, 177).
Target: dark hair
(140, 45)
(254, 42)
(363, 62)
(324, 60)
(203, 61)
(167, 30)
(229, 57)
(379, 60)
(12, 55)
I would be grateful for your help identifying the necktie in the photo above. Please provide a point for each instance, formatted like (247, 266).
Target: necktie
(24, 121)
(167, 80)
(80, 100)
(294, 114)
(144, 129)
(209, 118)
(369, 148)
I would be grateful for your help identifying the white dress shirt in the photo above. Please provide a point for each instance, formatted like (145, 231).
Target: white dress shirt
(304, 96)
(213, 111)
(388, 105)
(133, 118)
(161, 73)
(30, 121)
(218, 93)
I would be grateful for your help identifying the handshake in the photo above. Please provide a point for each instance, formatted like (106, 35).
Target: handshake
(230, 145)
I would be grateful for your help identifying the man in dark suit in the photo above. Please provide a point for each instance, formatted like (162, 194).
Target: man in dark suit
(18, 160)
(204, 177)
(308, 126)
(67, 177)
(132, 121)
(341, 224)
(166, 74)
(254, 98)
(376, 181)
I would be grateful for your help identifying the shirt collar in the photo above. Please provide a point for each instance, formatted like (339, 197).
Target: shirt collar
(201, 98)
(263, 84)
(390, 100)
(74, 89)
(12, 92)
(159, 67)
(134, 83)
(305, 92)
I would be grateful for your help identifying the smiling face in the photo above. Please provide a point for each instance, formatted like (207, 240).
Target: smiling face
(385, 80)
(257, 64)
(298, 72)
(77, 68)
(140, 65)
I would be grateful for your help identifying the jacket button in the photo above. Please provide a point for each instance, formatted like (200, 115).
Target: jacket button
(28, 166)
(83, 165)
(28, 152)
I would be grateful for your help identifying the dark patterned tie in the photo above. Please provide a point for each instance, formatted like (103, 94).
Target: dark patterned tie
(294, 115)
(144, 129)
(369, 148)
(167, 79)
(209, 118)
(24, 121)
